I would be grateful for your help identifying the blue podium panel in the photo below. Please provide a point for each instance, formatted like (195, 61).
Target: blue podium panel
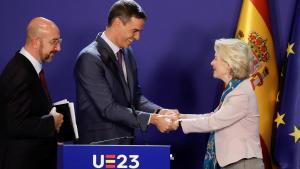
(114, 156)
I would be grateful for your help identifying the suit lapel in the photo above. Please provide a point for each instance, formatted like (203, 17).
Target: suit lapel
(107, 55)
(109, 59)
(36, 78)
(129, 73)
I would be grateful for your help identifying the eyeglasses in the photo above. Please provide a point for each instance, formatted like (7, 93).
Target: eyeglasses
(55, 42)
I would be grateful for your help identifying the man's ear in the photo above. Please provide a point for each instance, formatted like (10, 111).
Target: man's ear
(36, 43)
(117, 22)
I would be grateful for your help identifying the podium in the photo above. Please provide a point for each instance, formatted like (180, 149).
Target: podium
(113, 156)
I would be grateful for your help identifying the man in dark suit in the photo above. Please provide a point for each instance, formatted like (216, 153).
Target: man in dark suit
(28, 123)
(109, 99)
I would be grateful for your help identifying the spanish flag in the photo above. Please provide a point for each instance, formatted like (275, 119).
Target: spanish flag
(254, 27)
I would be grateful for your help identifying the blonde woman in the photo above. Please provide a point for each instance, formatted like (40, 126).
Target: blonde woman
(234, 125)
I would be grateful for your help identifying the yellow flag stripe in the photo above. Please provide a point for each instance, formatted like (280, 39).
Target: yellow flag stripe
(251, 21)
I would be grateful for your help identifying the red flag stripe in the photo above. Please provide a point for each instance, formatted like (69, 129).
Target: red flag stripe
(263, 8)
(265, 152)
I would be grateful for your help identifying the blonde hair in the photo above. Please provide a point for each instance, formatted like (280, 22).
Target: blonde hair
(237, 54)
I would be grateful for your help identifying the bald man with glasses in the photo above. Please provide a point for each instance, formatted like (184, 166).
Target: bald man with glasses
(28, 123)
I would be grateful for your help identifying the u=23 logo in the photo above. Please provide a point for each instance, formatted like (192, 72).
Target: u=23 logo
(116, 161)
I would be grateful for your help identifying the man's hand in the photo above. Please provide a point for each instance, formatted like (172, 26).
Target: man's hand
(163, 122)
(174, 112)
(58, 118)
(175, 124)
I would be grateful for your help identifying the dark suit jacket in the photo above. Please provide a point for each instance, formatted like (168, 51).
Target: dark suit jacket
(104, 99)
(27, 132)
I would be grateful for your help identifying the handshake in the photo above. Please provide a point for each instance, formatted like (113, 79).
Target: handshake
(167, 120)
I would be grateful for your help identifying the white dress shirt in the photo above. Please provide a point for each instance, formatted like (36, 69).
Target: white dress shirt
(36, 64)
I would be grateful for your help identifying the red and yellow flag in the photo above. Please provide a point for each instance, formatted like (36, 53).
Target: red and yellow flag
(254, 27)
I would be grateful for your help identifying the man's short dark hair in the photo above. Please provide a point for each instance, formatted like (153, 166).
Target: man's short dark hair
(125, 9)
